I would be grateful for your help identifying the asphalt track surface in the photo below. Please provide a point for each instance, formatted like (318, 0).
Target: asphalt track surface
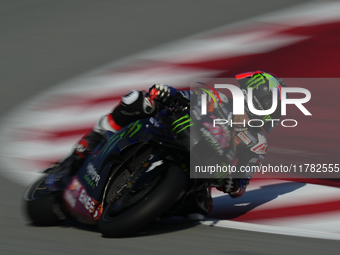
(46, 42)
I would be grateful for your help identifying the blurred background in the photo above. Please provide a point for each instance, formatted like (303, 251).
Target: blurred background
(65, 63)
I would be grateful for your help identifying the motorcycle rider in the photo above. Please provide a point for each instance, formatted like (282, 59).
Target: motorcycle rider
(250, 142)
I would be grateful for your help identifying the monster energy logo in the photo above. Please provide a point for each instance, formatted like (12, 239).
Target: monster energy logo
(129, 131)
(256, 81)
(182, 123)
(266, 118)
(133, 130)
(112, 142)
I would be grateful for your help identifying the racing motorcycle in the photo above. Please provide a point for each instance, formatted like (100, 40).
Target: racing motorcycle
(130, 179)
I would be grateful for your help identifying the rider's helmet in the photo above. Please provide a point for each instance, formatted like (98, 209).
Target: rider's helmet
(262, 84)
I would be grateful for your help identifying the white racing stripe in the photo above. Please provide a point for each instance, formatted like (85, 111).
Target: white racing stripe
(110, 80)
(280, 230)
(318, 12)
(326, 222)
(230, 46)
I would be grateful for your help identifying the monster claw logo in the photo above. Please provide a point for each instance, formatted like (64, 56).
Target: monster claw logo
(256, 80)
(135, 128)
(182, 123)
(266, 118)
(130, 130)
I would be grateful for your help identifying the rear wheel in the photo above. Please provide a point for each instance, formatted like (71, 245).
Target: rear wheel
(134, 210)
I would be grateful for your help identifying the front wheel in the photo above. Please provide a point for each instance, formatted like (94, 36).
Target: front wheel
(163, 192)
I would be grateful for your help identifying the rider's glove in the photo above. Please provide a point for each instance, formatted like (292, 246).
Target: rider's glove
(169, 96)
(162, 93)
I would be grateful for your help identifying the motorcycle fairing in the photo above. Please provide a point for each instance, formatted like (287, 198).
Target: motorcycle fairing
(82, 205)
